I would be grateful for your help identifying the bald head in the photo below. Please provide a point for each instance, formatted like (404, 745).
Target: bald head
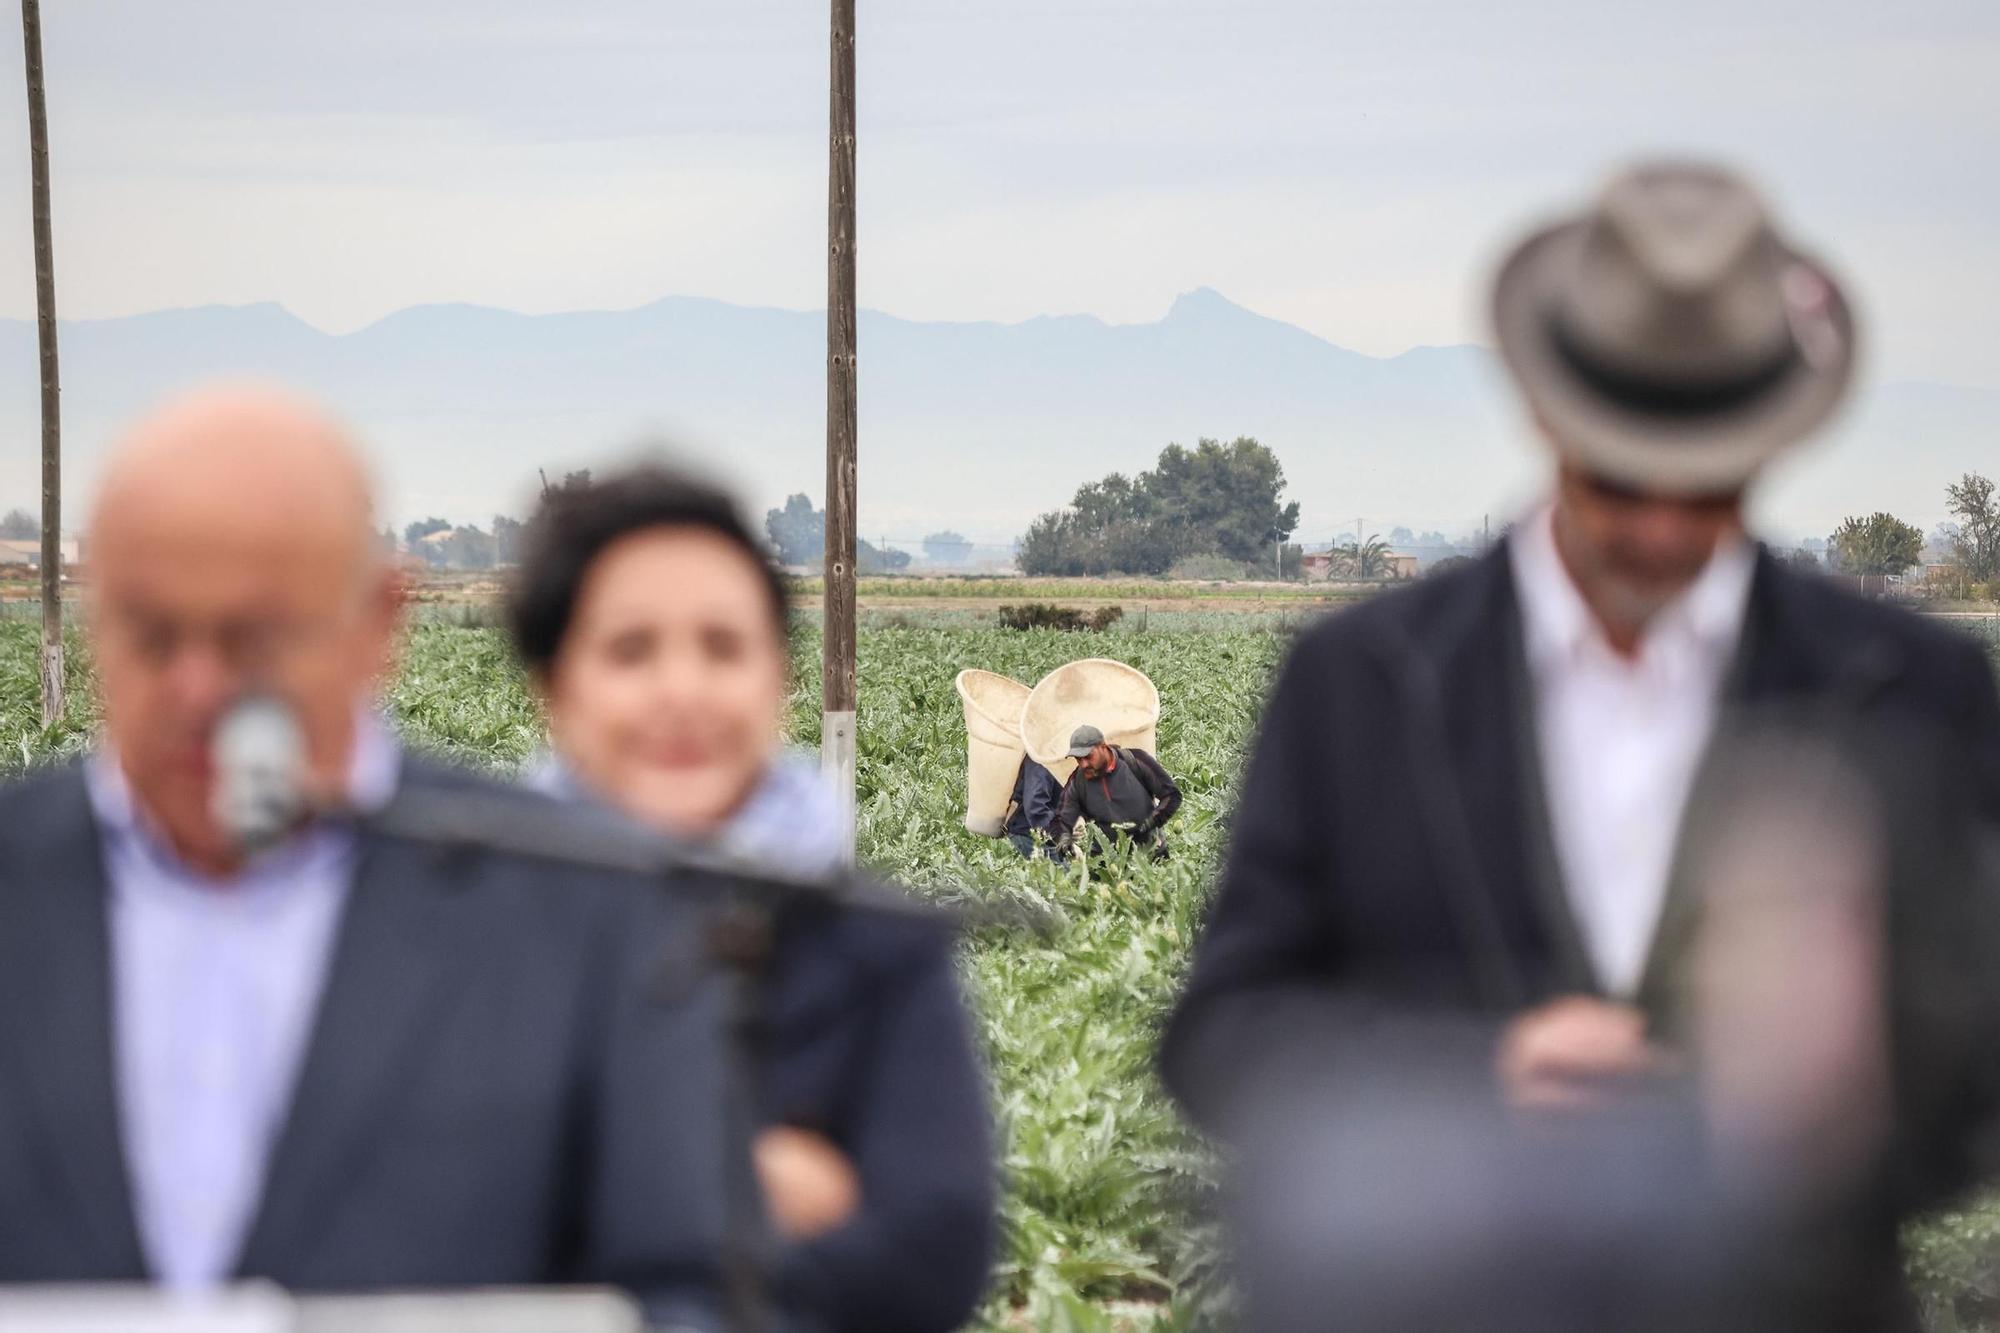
(232, 550)
(242, 468)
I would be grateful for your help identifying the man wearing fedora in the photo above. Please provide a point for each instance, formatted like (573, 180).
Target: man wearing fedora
(1464, 814)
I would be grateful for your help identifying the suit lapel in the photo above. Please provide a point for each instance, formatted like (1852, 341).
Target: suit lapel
(1662, 978)
(1479, 772)
(1784, 654)
(1478, 779)
(1789, 652)
(1571, 971)
(394, 969)
(55, 974)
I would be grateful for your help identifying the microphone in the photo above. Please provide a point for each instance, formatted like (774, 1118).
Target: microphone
(257, 753)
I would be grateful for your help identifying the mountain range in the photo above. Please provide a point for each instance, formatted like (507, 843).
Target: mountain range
(971, 426)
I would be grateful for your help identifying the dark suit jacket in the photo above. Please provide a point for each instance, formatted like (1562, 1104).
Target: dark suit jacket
(862, 1037)
(869, 1045)
(496, 1091)
(1391, 871)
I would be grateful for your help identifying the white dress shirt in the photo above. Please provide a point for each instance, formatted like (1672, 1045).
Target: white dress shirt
(1620, 738)
(215, 986)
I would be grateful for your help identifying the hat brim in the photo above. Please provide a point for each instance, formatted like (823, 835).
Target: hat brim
(1081, 751)
(1682, 453)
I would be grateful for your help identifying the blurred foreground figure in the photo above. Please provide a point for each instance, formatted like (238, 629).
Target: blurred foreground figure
(1460, 919)
(657, 633)
(344, 1061)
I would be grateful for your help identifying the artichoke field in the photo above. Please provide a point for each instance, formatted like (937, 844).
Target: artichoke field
(1106, 1190)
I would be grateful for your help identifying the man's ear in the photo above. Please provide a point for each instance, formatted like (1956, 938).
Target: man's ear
(393, 590)
(385, 598)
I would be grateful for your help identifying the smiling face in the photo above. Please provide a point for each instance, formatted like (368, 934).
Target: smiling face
(666, 692)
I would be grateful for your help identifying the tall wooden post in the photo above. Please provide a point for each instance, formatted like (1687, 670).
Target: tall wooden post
(837, 690)
(45, 326)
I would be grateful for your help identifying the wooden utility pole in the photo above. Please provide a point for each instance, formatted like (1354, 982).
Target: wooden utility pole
(837, 687)
(45, 327)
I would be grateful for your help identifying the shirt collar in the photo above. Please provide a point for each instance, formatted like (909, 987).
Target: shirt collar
(374, 766)
(1559, 625)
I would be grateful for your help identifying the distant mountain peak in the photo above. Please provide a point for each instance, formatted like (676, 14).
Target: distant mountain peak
(1205, 303)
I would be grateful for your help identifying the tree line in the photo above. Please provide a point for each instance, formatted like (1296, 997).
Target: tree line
(1214, 502)
(442, 544)
(797, 532)
(1882, 544)
(1200, 510)
(1217, 505)
(798, 535)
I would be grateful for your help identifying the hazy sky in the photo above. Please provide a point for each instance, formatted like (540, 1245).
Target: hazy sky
(1352, 166)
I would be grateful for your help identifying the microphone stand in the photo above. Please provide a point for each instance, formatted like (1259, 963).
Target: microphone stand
(746, 906)
(740, 937)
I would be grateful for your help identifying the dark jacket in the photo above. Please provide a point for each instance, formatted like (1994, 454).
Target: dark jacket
(1037, 797)
(869, 1044)
(1136, 791)
(499, 1089)
(865, 1039)
(1390, 859)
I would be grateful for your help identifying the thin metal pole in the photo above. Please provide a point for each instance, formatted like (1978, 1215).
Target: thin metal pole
(837, 675)
(45, 329)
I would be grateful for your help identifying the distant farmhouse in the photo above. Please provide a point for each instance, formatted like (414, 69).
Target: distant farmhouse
(28, 552)
(1406, 562)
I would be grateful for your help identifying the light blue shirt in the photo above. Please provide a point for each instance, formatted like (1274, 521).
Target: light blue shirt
(215, 986)
(792, 823)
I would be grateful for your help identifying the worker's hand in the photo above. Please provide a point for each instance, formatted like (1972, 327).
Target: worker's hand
(809, 1185)
(1576, 1053)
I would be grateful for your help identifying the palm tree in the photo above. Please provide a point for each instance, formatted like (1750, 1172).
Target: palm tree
(45, 324)
(1366, 561)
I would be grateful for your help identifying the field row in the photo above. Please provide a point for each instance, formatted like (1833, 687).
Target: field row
(1005, 589)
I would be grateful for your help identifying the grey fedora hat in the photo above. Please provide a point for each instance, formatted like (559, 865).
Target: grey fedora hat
(1670, 339)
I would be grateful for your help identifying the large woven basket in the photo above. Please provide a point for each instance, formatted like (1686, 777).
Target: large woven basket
(1117, 699)
(993, 746)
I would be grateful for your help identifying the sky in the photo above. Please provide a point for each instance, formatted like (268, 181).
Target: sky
(1351, 166)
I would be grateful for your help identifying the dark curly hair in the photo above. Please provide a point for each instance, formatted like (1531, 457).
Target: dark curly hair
(576, 523)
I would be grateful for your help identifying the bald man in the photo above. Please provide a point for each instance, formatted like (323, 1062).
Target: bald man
(232, 548)
(344, 1062)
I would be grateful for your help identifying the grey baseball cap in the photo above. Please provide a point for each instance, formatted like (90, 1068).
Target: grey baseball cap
(1083, 740)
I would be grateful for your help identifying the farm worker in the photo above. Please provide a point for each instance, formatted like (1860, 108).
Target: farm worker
(1462, 814)
(1124, 792)
(330, 1060)
(657, 633)
(1032, 809)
